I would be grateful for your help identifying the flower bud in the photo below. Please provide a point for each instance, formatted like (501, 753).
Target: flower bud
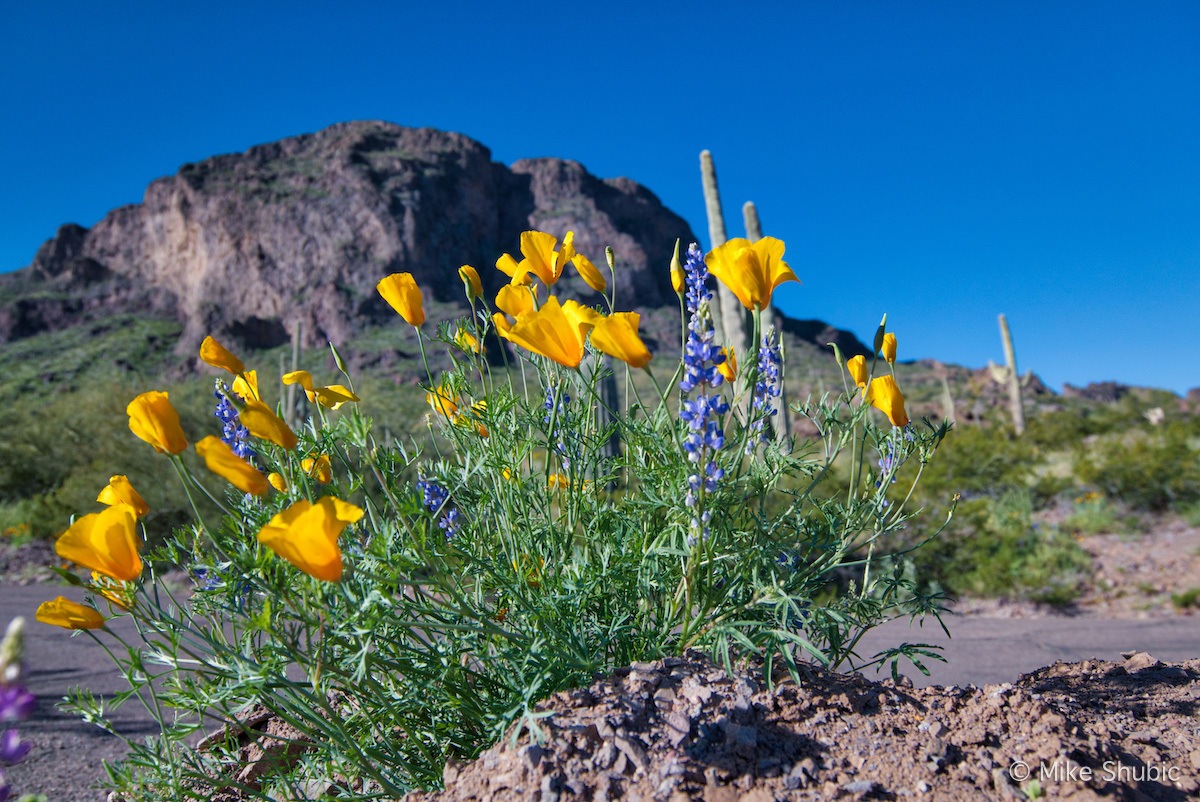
(879, 333)
(837, 354)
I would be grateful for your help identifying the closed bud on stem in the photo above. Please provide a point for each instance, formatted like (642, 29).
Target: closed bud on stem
(337, 360)
(837, 354)
(677, 277)
(611, 258)
(882, 330)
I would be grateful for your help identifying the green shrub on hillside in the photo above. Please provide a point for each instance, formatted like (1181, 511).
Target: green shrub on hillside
(998, 550)
(1154, 468)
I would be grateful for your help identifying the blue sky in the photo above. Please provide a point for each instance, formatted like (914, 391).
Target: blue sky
(942, 162)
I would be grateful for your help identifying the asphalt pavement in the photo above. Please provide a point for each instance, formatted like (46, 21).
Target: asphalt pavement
(67, 752)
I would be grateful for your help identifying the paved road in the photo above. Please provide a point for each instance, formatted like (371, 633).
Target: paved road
(67, 753)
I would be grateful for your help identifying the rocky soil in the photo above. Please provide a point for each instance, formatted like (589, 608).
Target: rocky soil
(681, 729)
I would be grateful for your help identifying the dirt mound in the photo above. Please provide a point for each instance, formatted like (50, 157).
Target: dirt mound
(681, 729)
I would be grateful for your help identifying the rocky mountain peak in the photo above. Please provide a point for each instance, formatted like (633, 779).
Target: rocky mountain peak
(299, 231)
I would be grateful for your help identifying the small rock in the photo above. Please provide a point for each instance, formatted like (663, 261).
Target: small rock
(861, 787)
(1141, 661)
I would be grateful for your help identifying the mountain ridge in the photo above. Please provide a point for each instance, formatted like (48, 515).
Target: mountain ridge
(296, 232)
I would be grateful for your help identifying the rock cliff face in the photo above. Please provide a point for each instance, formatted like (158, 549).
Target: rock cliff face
(299, 231)
(247, 246)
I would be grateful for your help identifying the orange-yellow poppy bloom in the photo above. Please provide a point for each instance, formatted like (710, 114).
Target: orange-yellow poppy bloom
(443, 400)
(466, 341)
(857, 365)
(470, 279)
(245, 386)
(104, 541)
(509, 266)
(219, 459)
(277, 481)
(218, 356)
(306, 535)
(120, 491)
(752, 270)
(617, 336)
(266, 425)
(884, 394)
(332, 396)
(401, 292)
(889, 348)
(541, 259)
(589, 273)
(555, 331)
(153, 419)
(62, 612)
(514, 299)
(728, 368)
(319, 468)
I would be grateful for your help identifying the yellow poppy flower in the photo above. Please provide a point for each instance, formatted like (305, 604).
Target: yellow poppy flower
(558, 481)
(62, 612)
(277, 481)
(306, 535)
(245, 386)
(728, 368)
(219, 459)
(511, 268)
(889, 348)
(501, 324)
(752, 270)
(153, 419)
(332, 396)
(120, 491)
(478, 410)
(266, 425)
(884, 394)
(401, 292)
(540, 257)
(857, 365)
(104, 541)
(444, 401)
(319, 468)
(471, 281)
(616, 335)
(216, 355)
(514, 300)
(556, 332)
(466, 341)
(589, 273)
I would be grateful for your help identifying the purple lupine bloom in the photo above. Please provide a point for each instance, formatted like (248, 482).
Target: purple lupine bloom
(766, 386)
(437, 501)
(16, 703)
(12, 748)
(701, 355)
(233, 433)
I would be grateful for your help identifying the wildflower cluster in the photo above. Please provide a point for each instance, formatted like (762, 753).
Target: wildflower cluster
(319, 598)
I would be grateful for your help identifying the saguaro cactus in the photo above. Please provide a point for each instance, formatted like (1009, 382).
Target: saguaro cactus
(1008, 376)
(730, 317)
(948, 402)
(754, 234)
